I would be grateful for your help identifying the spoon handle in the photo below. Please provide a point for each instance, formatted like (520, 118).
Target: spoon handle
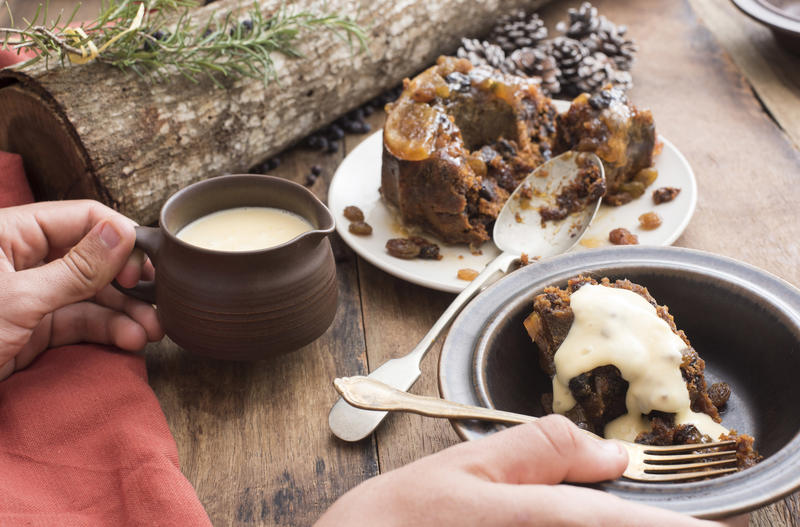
(353, 424)
(370, 394)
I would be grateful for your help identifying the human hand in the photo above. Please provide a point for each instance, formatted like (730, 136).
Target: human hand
(57, 260)
(512, 478)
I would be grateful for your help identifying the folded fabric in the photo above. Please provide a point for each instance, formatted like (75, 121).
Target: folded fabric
(83, 440)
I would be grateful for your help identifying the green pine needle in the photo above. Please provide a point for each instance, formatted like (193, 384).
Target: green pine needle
(170, 40)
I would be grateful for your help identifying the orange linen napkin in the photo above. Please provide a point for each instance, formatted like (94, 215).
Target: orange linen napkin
(83, 441)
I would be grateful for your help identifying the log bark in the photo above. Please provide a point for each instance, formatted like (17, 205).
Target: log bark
(93, 131)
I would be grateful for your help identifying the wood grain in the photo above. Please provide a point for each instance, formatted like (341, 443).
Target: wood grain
(773, 72)
(253, 438)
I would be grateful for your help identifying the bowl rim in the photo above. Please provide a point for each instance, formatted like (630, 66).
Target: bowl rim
(775, 477)
(770, 15)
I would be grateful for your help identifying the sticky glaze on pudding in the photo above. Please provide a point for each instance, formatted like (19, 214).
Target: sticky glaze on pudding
(457, 143)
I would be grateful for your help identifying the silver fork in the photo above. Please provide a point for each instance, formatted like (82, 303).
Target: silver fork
(645, 462)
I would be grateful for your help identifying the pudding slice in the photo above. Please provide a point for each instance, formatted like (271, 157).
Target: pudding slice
(622, 369)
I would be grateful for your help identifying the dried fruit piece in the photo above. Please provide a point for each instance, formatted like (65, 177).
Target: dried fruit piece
(649, 221)
(360, 228)
(665, 194)
(402, 248)
(622, 236)
(632, 188)
(646, 176)
(353, 213)
(427, 249)
(719, 392)
(467, 274)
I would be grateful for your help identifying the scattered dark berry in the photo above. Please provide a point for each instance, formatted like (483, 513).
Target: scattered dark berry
(333, 146)
(158, 35)
(335, 132)
(311, 179)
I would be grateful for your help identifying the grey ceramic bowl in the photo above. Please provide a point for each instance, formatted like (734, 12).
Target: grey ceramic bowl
(743, 321)
(782, 17)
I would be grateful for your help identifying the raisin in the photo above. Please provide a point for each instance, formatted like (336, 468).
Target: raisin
(719, 393)
(402, 248)
(361, 228)
(467, 274)
(622, 236)
(353, 213)
(649, 221)
(665, 194)
(427, 249)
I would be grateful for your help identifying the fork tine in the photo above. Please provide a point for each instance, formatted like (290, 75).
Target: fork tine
(655, 469)
(686, 448)
(680, 476)
(664, 458)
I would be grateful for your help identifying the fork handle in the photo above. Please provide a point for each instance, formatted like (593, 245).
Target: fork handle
(369, 394)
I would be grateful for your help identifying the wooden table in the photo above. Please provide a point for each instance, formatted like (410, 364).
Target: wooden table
(253, 438)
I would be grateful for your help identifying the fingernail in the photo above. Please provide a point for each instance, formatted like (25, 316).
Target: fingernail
(109, 235)
(612, 448)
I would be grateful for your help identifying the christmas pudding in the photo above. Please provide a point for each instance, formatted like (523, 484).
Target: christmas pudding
(456, 144)
(621, 135)
(622, 369)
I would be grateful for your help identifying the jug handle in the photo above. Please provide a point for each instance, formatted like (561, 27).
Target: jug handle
(149, 240)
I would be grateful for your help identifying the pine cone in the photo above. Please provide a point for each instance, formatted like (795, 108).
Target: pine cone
(518, 30)
(621, 79)
(535, 62)
(594, 71)
(568, 54)
(610, 39)
(582, 22)
(481, 52)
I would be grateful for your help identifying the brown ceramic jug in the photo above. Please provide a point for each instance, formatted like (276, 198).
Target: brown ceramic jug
(241, 305)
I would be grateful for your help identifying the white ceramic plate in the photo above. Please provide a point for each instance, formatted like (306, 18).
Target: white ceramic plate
(358, 178)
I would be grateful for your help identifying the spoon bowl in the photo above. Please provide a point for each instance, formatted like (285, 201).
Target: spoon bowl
(519, 227)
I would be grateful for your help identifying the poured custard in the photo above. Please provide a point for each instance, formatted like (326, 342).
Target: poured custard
(244, 229)
(618, 327)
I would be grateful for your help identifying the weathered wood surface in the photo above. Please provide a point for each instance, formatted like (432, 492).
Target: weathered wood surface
(254, 439)
(773, 72)
(141, 141)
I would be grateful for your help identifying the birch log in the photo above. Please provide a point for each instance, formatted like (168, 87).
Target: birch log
(94, 131)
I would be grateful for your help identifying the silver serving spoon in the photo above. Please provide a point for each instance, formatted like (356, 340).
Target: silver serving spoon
(517, 230)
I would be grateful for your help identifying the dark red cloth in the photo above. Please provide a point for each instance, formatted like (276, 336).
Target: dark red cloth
(83, 440)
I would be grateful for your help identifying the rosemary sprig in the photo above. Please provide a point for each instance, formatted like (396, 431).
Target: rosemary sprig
(156, 37)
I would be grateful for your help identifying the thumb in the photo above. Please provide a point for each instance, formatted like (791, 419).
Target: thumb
(548, 451)
(84, 270)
